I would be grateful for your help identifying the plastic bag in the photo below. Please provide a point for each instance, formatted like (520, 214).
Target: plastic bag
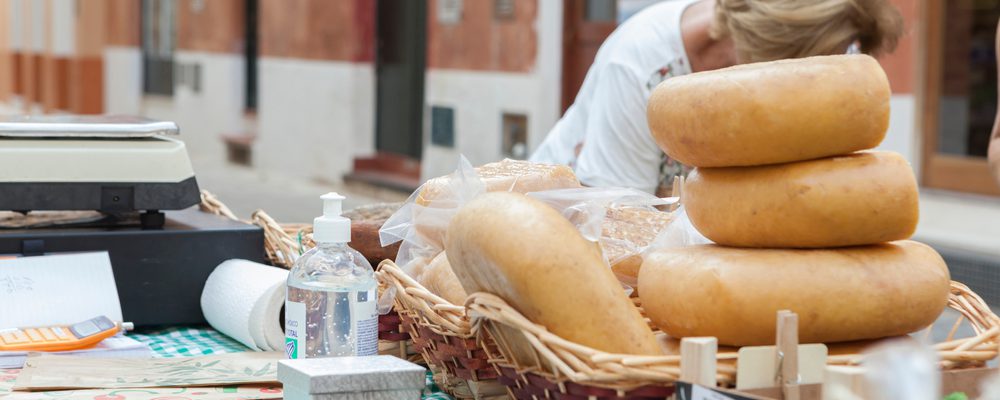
(680, 232)
(903, 370)
(586, 207)
(624, 221)
(421, 225)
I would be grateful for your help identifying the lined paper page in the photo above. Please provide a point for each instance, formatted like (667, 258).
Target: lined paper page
(57, 289)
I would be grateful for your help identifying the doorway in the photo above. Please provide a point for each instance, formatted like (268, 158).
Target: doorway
(400, 63)
(586, 23)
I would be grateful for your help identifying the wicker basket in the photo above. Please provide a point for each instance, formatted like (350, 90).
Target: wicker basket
(560, 369)
(284, 243)
(441, 332)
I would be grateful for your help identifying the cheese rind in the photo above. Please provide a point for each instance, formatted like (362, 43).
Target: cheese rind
(857, 199)
(839, 295)
(528, 254)
(772, 112)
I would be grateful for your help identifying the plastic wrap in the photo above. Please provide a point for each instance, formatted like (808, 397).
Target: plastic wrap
(902, 370)
(624, 221)
(680, 232)
(421, 228)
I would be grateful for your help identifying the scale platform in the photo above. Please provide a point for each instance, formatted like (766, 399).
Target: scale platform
(109, 164)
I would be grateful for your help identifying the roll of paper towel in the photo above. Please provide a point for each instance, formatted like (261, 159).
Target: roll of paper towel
(243, 300)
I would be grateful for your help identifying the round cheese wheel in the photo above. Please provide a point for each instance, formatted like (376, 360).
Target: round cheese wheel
(857, 199)
(772, 112)
(847, 294)
(528, 254)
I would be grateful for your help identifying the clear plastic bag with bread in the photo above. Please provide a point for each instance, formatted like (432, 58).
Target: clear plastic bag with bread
(623, 221)
(420, 224)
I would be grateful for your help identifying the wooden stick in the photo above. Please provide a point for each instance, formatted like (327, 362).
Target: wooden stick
(698, 362)
(788, 354)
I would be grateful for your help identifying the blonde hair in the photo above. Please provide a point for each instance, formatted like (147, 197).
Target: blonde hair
(764, 30)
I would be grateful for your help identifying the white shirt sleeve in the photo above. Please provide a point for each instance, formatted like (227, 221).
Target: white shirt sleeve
(618, 149)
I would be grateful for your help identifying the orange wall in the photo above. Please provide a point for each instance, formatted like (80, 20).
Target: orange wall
(6, 58)
(86, 68)
(481, 42)
(901, 65)
(216, 27)
(123, 22)
(341, 30)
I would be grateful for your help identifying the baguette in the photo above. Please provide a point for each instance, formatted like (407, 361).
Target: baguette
(528, 254)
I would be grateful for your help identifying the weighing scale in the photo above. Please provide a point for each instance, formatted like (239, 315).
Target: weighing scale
(132, 180)
(109, 164)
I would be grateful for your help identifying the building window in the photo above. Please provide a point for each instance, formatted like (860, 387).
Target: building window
(961, 94)
(601, 10)
(514, 128)
(158, 47)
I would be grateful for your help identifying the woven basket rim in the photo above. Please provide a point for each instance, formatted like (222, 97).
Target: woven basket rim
(568, 361)
(428, 309)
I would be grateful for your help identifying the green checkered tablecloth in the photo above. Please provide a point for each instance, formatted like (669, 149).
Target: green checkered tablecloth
(187, 342)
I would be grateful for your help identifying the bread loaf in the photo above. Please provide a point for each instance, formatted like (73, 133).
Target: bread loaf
(525, 252)
(772, 112)
(626, 230)
(365, 224)
(507, 176)
(862, 198)
(839, 294)
(438, 277)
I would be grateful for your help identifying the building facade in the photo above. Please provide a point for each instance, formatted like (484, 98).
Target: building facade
(394, 90)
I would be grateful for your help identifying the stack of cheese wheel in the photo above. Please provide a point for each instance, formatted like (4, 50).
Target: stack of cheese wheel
(804, 216)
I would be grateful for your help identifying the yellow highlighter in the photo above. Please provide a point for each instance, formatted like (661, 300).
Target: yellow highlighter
(60, 338)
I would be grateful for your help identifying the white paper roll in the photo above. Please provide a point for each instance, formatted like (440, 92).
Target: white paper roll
(243, 300)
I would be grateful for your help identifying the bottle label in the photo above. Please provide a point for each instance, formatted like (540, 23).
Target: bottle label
(365, 329)
(295, 330)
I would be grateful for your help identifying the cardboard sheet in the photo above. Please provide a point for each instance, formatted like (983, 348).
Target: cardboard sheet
(48, 372)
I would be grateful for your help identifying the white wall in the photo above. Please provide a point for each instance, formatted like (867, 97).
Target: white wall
(122, 80)
(314, 117)
(63, 39)
(15, 26)
(216, 108)
(903, 136)
(480, 99)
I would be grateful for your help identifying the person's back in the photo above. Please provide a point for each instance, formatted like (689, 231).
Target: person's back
(649, 43)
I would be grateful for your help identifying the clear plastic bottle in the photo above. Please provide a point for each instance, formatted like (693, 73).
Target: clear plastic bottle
(330, 307)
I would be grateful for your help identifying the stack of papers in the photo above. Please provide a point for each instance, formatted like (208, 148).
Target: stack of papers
(59, 290)
(113, 347)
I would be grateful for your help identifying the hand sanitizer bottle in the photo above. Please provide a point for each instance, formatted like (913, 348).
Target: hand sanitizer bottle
(330, 307)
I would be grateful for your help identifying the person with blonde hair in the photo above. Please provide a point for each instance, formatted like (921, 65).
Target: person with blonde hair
(604, 135)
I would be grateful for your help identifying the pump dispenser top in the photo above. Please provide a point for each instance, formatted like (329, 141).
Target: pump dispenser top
(332, 227)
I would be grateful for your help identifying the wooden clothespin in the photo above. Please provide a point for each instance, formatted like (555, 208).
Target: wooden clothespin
(698, 360)
(787, 355)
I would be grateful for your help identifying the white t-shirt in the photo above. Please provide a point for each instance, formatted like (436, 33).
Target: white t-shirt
(607, 121)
